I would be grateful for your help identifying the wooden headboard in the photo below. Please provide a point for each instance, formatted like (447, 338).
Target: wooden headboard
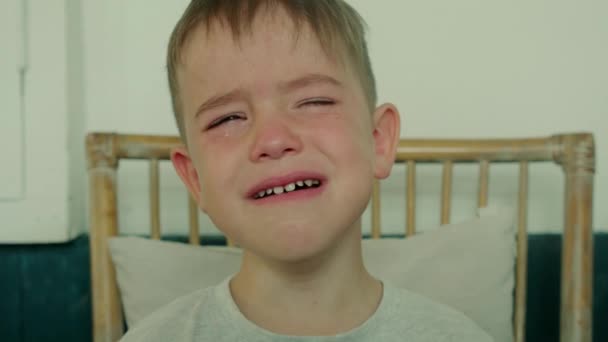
(575, 153)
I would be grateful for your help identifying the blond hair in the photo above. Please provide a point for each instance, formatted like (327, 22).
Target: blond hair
(337, 26)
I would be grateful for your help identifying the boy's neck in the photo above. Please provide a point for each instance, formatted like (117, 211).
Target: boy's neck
(328, 296)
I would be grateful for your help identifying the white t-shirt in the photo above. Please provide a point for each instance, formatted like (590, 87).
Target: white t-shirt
(212, 315)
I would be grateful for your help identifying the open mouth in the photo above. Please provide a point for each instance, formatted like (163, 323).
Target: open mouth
(291, 187)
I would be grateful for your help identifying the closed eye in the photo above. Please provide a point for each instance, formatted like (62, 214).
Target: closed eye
(224, 119)
(318, 102)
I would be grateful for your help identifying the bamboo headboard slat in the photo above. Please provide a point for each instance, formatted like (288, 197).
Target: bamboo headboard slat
(194, 233)
(410, 224)
(575, 153)
(522, 251)
(484, 176)
(446, 191)
(154, 200)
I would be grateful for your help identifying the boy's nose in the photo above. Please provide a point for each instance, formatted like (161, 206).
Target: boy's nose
(273, 140)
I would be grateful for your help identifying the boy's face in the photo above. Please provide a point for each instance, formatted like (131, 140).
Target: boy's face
(273, 112)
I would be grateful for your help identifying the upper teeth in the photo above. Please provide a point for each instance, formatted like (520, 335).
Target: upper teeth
(277, 190)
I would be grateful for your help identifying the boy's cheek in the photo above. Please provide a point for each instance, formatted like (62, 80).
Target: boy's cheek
(214, 151)
(352, 134)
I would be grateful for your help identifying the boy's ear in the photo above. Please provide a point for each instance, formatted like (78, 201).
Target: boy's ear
(187, 172)
(387, 132)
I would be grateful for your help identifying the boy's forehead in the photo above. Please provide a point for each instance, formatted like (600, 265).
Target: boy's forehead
(273, 29)
(274, 50)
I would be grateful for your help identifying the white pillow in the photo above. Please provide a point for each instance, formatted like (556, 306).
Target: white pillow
(468, 266)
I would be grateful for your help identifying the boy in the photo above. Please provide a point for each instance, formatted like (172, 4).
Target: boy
(275, 103)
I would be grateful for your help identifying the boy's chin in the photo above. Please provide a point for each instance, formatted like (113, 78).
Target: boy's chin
(303, 249)
(298, 254)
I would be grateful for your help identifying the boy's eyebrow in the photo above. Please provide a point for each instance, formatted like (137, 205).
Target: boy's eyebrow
(307, 80)
(219, 100)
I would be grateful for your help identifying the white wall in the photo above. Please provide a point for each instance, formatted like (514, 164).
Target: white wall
(125, 79)
(11, 125)
(470, 68)
(76, 116)
(486, 68)
(39, 209)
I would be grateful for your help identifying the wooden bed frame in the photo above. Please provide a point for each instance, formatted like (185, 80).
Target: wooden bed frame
(575, 153)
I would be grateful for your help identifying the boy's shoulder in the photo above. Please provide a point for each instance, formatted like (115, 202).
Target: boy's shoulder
(173, 321)
(210, 314)
(427, 319)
